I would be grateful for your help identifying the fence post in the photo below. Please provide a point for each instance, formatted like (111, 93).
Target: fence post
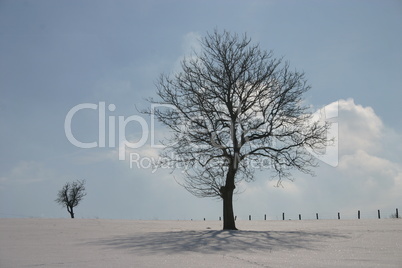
(220, 218)
(283, 216)
(397, 214)
(249, 217)
(265, 217)
(379, 215)
(300, 217)
(316, 215)
(358, 214)
(339, 216)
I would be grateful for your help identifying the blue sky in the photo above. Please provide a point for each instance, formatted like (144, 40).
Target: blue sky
(55, 55)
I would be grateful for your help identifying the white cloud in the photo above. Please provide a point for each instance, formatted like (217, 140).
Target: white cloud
(366, 176)
(27, 172)
(359, 128)
(190, 44)
(363, 159)
(370, 177)
(362, 163)
(93, 156)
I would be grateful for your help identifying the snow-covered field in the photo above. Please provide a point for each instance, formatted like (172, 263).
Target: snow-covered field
(128, 243)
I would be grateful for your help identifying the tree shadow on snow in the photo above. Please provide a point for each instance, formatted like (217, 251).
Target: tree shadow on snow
(212, 241)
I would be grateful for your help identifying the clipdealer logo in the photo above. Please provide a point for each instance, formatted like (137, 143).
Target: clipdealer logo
(118, 124)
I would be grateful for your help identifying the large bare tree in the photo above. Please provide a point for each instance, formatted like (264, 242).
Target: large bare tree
(71, 195)
(232, 109)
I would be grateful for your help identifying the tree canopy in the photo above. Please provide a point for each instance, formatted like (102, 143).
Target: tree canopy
(71, 195)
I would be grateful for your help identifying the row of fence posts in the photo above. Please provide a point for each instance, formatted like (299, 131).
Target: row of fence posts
(339, 215)
(316, 215)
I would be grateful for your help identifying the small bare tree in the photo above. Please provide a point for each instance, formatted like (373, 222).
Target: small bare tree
(232, 109)
(71, 195)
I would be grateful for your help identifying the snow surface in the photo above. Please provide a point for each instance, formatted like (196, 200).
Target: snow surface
(128, 243)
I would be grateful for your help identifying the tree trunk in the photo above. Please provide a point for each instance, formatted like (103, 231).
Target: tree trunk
(228, 215)
(71, 211)
(227, 196)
